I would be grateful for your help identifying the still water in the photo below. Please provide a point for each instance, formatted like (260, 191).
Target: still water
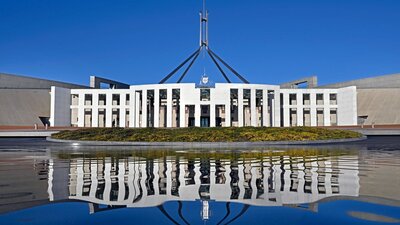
(48, 183)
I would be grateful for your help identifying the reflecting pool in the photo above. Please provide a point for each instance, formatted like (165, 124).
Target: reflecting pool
(48, 183)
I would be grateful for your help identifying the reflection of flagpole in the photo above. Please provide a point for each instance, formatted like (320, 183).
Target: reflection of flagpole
(205, 213)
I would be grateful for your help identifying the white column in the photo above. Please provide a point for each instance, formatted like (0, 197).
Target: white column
(81, 110)
(277, 109)
(313, 109)
(122, 117)
(182, 113)
(197, 114)
(137, 109)
(156, 108)
(122, 110)
(286, 111)
(169, 107)
(109, 110)
(265, 109)
(95, 110)
(144, 108)
(240, 107)
(327, 112)
(253, 113)
(212, 115)
(300, 120)
(132, 109)
(228, 113)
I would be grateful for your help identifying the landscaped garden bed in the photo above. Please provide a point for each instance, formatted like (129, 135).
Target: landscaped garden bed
(226, 134)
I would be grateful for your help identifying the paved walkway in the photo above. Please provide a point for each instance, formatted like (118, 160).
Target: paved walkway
(29, 131)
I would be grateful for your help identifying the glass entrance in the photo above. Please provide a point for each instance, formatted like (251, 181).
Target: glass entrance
(205, 116)
(205, 121)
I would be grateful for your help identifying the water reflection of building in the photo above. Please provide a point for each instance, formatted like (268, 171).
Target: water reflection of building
(270, 181)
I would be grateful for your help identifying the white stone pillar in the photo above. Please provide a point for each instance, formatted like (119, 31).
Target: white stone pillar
(313, 109)
(182, 114)
(137, 109)
(286, 110)
(240, 107)
(156, 108)
(265, 117)
(300, 120)
(144, 108)
(122, 110)
(197, 115)
(122, 117)
(81, 110)
(109, 107)
(228, 113)
(276, 109)
(132, 109)
(327, 112)
(95, 110)
(212, 115)
(169, 107)
(253, 113)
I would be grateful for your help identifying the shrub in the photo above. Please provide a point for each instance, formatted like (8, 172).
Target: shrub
(228, 134)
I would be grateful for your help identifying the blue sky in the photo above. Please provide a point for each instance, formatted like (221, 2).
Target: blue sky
(267, 41)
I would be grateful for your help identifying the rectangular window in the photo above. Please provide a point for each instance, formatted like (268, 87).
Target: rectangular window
(320, 117)
(102, 117)
(333, 99)
(246, 94)
(115, 120)
(333, 117)
(74, 117)
(115, 99)
(306, 99)
(320, 99)
(128, 99)
(293, 117)
(307, 117)
(292, 99)
(102, 99)
(127, 118)
(88, 99)
(74, 99)
(204, 94)
(88, 118)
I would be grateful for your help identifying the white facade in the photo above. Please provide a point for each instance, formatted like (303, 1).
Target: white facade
(184, 105)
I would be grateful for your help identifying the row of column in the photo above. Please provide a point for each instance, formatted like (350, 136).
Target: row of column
(95, 107)
(156, 121)
(274, 102)
(300, 109)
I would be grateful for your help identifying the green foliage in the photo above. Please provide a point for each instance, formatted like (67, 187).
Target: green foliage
(195, 134)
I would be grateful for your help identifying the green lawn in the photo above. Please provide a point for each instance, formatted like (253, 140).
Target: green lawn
(229, 134)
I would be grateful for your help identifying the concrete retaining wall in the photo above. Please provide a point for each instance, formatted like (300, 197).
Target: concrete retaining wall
(206, 144)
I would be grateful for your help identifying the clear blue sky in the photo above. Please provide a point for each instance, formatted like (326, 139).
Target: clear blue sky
(267, 41)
